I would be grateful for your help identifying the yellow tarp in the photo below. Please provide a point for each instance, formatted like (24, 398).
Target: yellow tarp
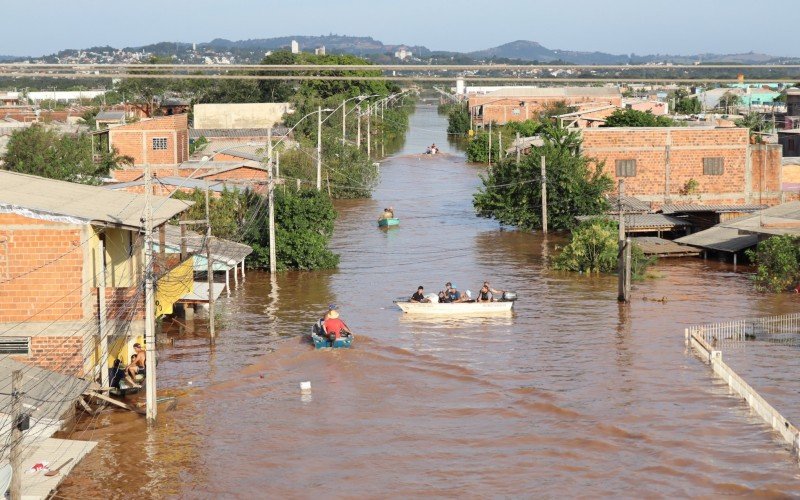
(174, 285)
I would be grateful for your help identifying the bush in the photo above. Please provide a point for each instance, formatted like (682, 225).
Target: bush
(778, 261)
(634, 118)
(458, 122)
(478, 148)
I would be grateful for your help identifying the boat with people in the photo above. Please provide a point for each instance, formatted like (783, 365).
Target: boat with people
(387, 218)
(455, 308)
(322, 340)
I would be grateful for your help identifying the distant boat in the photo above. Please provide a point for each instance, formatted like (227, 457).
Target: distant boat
(388, 222)
(321, 340)
(455, 308)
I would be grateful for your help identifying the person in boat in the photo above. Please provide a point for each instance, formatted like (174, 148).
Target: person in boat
(131, 371)
(444, 295)
(454, 295)
(487, 293)
(335, 328)
(116, 374)
(388, 213)
(419, 295)
(138, 362)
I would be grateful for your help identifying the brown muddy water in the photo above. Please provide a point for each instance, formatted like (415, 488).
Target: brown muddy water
(571, 395)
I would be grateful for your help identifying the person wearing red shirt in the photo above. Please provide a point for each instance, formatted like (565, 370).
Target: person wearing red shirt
(334, 326)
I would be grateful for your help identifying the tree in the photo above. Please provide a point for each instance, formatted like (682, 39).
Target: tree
(43, 151)
(687, 104)
(458, 121)
(511, 192)
(778, 261)
(634, 118)
(755, 122)
(729, 100)
(478, 148)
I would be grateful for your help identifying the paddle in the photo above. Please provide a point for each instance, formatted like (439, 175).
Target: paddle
(54, 472)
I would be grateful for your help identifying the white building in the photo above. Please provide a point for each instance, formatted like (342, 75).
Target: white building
(320, 51)
(64, 95)
(295, 47)
(402, 53)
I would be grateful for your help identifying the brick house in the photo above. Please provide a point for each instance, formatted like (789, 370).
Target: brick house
(51, 269)
(517, 104)
(659, 163)
(160, 141)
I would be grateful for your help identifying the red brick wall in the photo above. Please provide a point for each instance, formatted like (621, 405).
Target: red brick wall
(766, 158)
(501, 110)
(41, 265)
(61, 354)
(242, 173)
(688, 147)
(136, 140)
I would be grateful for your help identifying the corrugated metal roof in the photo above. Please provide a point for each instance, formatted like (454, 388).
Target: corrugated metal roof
(186, 182)
(645, 221)
(778, 220)
(720, 238)
(629, 204)
(691, 207)
(228, 133)
(652, 245)
(110, 115)
(223, 250)
(91, 204)
(52, 394)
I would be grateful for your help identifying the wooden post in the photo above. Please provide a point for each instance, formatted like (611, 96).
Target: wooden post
(518, 149)
(544, 197)
(209, 271)
(628, 249)
(236, 275)
(16, 435)
(228, 282)
(500, 142)
(243, 269)
(102, 318)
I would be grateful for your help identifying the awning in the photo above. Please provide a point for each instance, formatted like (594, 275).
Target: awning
(199, 292)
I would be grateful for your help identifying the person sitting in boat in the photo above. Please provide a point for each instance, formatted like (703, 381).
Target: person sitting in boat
(388, 213)
(487, 293)
(454, 295)
(419, 295)
(432, 149)
(335, 328)
(116, 373)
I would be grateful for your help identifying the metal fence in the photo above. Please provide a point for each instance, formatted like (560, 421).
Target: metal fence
(784, 329)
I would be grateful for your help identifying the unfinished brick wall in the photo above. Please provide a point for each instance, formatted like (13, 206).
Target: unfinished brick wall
(136, 140)
(41, 266)
(241, 173)
(517, 109)
(60, 354)
(657, 179)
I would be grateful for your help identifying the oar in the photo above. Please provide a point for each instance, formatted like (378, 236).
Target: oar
(54, 472)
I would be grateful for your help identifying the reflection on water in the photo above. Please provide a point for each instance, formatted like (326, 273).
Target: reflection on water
(573, 394)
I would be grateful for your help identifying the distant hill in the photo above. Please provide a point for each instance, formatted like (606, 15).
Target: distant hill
(525, 50)
(359, 45)
(9, 58)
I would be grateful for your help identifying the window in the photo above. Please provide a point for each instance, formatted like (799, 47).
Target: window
(713, 166)
(515, 111)
(159, 143)
(15, 345)
(626, 168)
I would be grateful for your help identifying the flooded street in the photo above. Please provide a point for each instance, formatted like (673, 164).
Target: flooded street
(571, 395)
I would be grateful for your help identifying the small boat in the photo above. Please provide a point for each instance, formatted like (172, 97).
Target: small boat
(388, 222)
(321, 340)
(455, 308)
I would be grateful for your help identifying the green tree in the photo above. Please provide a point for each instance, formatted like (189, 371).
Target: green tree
(634, 118)
(303, 228)
(478, 148)
(43, 151)
(755, 122)
(778, 261)
(458, 121)
(729, 100)
(227, 211)
(511, 192)
(687, 104)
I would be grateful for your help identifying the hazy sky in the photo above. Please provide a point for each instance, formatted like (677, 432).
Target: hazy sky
(39, 27)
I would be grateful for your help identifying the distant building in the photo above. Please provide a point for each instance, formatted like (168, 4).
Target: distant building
(516, 104)
(64, 95)
(320, 51)
(402, 53)
(9, 98)
(239, 115)
(295, 47)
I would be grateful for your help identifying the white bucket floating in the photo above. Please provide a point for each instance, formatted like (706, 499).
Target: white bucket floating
(305, 387)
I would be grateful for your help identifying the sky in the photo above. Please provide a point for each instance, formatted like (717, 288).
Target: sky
(615, 26)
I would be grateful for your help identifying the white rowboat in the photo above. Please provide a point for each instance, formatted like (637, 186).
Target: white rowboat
(455, 308)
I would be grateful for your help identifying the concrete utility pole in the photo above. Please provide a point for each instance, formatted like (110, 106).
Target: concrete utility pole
(273, 265)
(369, 133)
(624, 252)
(383, 131)
(490, 144)
(16, 435)
(102, 319)
(344, 120)
(210, 271)
(544, 197)
(358, 128)
(319, 149)
(149, 309)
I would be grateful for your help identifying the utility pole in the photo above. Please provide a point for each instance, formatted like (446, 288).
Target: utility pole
(383, 131)
(500, 143)
(16, 435)
(358, 128)
(344, 120)
(269, 142)
(319, 149)
(210, 271)
(369, 133)
(272, 254)
(490, 144)
(624, 252)
(518, 149)
(149, 313)
(102, 319)
(544, 197)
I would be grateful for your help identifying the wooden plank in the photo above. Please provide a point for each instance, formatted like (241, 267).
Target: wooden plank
(114, 402)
